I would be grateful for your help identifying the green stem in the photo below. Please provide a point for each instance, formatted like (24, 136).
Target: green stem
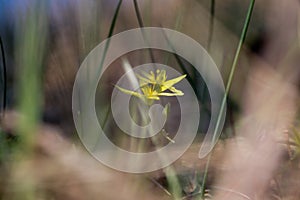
(4, 78)
(211, 24)
(111, 30)
(110, 33)
(138, 14)
(141, 25)
(229, 83)
(31, 40)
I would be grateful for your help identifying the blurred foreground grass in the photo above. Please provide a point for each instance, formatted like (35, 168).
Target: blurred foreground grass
(41, 157)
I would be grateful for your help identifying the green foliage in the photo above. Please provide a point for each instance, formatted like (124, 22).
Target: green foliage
(295, 143)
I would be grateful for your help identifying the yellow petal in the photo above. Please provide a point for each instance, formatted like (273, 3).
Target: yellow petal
(168, 84)
(147, 91)
(136, 94)
(150, 76)
(144, 81)
(174, 90)
(153, 97)
(161, 77)
(170, 94)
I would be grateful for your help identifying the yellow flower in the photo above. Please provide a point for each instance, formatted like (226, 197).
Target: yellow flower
(155, 85)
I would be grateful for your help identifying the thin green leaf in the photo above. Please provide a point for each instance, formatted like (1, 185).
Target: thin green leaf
(229, 83)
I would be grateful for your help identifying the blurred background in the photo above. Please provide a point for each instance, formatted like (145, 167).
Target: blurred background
(43, 44)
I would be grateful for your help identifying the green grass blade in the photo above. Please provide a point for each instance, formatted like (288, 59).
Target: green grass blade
(30, 52)
(141, 25)
(138, 14)
(110, 33)
(4, 78)
(229, 83)
(211, 24)
(32, 38)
